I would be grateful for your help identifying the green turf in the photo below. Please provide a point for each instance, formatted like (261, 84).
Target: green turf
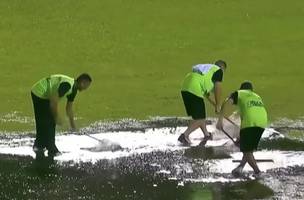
(138, 52)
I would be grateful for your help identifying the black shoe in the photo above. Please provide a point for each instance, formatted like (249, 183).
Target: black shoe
(38, 149)
(257, 174)
(39, 154)
(237, 172)
(54, 152)
(183, 140)
(206, 138)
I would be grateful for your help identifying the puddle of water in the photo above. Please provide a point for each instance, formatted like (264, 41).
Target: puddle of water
(81, 148)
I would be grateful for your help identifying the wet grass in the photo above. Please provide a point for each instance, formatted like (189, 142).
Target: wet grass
(139, 51)
(26, 178)
(283, 144)
(247, 190)
(207, 153)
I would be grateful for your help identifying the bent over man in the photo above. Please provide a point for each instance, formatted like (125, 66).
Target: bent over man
(46, 94)
(197, 86)
(253, 122)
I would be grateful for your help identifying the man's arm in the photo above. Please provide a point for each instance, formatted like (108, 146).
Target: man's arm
(223, 111)
(70, 114)
(217, 79)
(54, 100)
(211, 100)
(217, 96)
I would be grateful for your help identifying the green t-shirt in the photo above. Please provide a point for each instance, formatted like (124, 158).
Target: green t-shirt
(51, 85)
(200, 81)
(251, 108)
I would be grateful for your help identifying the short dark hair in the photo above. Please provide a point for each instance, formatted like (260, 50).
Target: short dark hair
(246, 85)
(221, 63)
(84, 77)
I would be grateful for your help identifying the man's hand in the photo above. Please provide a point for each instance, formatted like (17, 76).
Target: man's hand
(58, 121)
(73, 130)
(70, 114)
(238, 142)
(219, 124)
(217, 109)
(217, 96)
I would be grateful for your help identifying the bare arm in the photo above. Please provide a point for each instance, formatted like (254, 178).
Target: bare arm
(217, 96)
(223, 113)
(210, 100)
(70, 114)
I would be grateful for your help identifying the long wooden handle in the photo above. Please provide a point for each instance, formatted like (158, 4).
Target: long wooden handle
(234, 142)
(257, 160)
(232, 122)
(227, 118)
(99, 140)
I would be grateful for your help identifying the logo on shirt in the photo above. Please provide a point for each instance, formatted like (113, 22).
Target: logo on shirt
(254, 104)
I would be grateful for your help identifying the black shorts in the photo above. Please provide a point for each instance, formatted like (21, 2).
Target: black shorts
(195, 106)
(250, 138)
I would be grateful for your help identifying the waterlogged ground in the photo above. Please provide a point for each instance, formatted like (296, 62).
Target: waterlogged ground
(142, 160)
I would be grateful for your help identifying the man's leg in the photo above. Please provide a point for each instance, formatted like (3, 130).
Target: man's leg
(207, 135)
(252, 162)
(194, 124)
(204, 128)
(51, 129)
(39, 106)
(252, 137)
(257, 133)
(195, 107)
(51, 146)
(40, 141)
(243, 148)
(238, 170)
(39, 144)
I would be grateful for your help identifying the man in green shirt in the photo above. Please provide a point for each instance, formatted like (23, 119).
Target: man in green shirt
(197, 85)
(46, 94)
(253, 122)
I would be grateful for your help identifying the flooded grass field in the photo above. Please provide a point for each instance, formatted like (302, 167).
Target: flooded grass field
(142, 160)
